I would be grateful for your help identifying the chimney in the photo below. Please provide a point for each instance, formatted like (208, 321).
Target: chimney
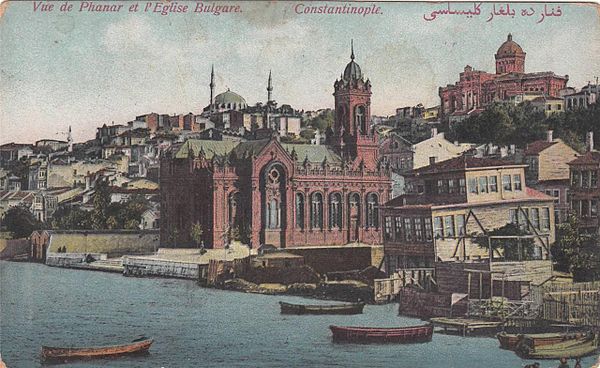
(589, 141)
(513, 149)
(549, 136)
(433, 132)
(431, 160)
(503, 151)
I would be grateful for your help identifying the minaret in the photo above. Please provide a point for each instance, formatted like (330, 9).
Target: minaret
(269, 89)
(212, 85)
(70, 140)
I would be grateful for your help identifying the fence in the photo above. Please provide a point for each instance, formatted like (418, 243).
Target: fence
(577, 303)
(388, 289)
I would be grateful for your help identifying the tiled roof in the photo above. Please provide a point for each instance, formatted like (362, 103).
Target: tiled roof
(536, 147)
(461, 163)
(588, 158)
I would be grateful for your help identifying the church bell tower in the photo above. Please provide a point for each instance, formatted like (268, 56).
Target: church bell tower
(352, 134)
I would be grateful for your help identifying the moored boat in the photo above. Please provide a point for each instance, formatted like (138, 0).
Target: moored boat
(401, 335)
(353, 308)
(56, 354)
(512, 341)
(575, 348)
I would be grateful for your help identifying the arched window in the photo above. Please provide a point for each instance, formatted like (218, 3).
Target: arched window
(359, 119)
(273, 214)
(335, 211)
(300, 210)
(316, 211)
(372, 210)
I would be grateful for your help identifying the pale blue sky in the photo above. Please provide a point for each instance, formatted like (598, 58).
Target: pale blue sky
(86, 69)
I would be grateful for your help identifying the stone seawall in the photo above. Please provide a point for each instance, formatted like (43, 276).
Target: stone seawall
(136, 266)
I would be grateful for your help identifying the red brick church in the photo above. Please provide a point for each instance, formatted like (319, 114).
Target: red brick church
(268, 192)
(476, 89)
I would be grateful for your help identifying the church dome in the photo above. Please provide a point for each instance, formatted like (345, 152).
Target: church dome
(352, 71)
(229, 98)
(509, 48)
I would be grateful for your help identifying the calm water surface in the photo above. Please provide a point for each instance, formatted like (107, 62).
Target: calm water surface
(197, 327)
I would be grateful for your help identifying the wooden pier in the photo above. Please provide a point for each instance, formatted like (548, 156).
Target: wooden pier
(466, 326)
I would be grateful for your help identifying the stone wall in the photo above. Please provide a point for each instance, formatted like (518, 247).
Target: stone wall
(330, 259)
(10, 248)
(136, 266)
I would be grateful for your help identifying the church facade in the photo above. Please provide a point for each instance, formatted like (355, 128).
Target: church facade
(287, 195)
(476, 89)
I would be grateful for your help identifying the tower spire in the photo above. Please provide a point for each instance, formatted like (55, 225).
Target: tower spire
(269, 88)
(352, 49)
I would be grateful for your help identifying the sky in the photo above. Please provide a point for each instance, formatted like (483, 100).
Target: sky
(85, 69)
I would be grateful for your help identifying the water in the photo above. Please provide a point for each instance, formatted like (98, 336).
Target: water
(197, 327)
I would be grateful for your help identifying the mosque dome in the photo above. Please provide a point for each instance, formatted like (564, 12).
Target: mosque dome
(229, 99)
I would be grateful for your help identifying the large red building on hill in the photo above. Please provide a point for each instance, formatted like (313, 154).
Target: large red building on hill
(268, 192)
(476, 89)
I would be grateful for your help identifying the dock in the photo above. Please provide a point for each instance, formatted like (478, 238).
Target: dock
(466, 326)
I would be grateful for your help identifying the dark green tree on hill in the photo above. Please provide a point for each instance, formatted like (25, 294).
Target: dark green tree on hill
(506, 124)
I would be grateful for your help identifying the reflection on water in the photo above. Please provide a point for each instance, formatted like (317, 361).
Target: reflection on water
(195, 327)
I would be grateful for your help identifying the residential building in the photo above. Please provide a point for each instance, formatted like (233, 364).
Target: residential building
(448, 202)
(548, 171)
(584, 190)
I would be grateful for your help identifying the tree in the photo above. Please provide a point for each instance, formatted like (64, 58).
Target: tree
(576, 252)
(72, 218)
(512, 249)
(196, 233)
(20, 222)
(101, 202)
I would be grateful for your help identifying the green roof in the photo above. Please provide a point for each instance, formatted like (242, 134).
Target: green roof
(210, 148)
(314, 153)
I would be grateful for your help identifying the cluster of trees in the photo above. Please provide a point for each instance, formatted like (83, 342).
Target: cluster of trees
(323, 121)
(105, 215)
(506, 124)
(576, 252)
(20, 222)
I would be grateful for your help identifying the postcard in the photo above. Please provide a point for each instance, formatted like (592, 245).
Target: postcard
(299, 184)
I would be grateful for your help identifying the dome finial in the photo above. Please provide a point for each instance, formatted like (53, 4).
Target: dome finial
(509, 38)
(352, 49)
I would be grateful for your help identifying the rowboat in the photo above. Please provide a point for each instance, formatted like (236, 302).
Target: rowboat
(353, 308)
(576, 348)
(53, 354)
(400, 335)
(511, 341)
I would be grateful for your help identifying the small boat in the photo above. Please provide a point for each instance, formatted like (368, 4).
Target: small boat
(400, 335)
(354, 308)
(576, 348)
(511, 341)
(52, 354)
